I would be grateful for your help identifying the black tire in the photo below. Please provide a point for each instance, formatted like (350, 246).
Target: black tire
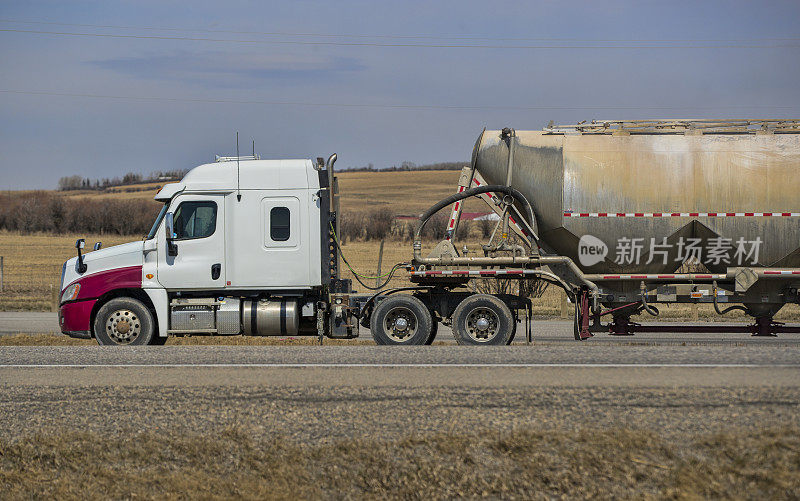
(513, 331)
(500, 325)
(413, 312)
(124, 321)
(434, 330)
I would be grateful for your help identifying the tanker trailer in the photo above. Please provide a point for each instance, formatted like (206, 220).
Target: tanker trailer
(631, 213)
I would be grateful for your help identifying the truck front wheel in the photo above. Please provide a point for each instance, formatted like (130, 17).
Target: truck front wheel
(401, 320)
(124, 321)
(483, 319)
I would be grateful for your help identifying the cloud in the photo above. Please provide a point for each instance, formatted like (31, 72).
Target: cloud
(222, 69)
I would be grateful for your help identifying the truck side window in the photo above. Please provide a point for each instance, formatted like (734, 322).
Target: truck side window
(195, 220)
(279, 230)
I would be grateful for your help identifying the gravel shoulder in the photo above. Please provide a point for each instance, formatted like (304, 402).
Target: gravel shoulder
(602, 421)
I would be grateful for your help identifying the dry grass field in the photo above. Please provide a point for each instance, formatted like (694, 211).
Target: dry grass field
(613, 463)
(407, 193)
(32, 267)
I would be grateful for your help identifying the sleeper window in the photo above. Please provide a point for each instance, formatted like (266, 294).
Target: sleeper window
(279, 227)
(195, 220)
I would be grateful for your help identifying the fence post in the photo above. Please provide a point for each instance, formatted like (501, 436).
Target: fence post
(1, 274)
(380, 260)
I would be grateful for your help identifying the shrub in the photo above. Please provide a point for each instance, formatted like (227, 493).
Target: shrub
(378, 224)
(351, 226)
(486, 226)
(45, 212)
(436, 227)
(462, 232)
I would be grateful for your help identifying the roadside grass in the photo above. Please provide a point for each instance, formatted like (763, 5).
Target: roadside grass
(523, 464)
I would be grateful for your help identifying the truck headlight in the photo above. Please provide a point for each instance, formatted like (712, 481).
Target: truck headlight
(70, 292)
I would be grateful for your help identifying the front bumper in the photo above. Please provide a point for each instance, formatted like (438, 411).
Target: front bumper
(75, 319)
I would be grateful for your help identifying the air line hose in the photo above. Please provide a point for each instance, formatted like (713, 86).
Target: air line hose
(359, 276)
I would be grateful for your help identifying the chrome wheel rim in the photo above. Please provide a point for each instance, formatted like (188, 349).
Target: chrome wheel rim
(400, 324)
(482, 324)
(123, 326)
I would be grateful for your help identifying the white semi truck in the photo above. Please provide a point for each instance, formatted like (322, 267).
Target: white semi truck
(248, 246)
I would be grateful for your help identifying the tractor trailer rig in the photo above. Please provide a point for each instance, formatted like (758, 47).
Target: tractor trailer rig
(250, 246)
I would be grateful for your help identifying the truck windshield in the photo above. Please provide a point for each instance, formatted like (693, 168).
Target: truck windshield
(160, 216)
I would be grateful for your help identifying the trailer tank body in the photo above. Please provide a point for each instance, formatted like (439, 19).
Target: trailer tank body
(575, 180)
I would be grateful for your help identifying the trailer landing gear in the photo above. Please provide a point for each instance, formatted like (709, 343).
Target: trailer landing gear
(581, 322)
(765, 327)
(622, 326)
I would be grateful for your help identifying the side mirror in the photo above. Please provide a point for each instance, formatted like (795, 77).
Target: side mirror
(98, 245)
(169, 225)
(80, 266)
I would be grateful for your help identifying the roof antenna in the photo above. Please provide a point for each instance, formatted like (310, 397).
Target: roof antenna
(238, 190)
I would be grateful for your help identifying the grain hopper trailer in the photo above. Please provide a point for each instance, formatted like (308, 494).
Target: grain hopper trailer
(628, 214)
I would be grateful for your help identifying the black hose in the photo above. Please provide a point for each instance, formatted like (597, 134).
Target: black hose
(497, 188)
(646, 307)
(728, 309)
(389, 276)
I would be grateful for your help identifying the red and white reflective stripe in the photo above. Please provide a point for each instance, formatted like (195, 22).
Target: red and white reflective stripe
(782, 272)
(676, 276)
(681, 214)
(454, 213)
(510, 218)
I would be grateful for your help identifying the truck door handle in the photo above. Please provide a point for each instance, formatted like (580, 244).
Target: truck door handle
(216, 269)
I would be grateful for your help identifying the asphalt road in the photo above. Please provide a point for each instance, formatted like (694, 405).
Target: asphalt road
(548, 331)
(538, 365)
(320, 394)
(15, 322)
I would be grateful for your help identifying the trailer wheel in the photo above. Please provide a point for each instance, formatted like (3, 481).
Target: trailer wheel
(401, 320)
(124, 321)
(483, 319)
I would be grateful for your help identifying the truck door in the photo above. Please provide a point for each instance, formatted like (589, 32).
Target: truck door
(285, 240)
(200, 243)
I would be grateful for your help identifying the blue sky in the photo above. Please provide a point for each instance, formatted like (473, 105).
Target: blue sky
(354, 99)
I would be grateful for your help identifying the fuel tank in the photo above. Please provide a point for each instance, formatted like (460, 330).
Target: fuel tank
(644, 197)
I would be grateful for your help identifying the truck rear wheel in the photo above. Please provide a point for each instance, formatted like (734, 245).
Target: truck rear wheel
(124, 321)
(434, 330)
(401, 320)
(483, 319)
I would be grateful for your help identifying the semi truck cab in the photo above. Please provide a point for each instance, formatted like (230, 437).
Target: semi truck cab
(238, 246)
